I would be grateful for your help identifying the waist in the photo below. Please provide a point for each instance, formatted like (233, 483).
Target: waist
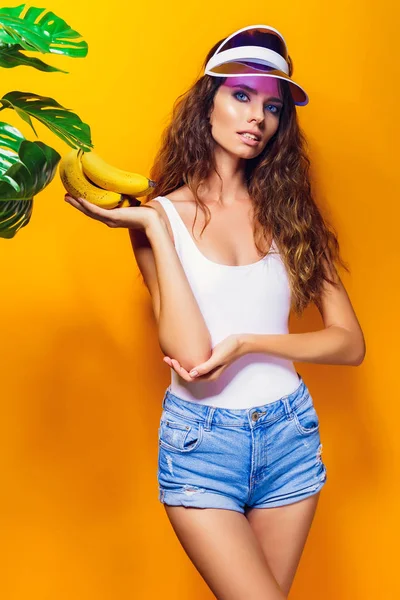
(235, 416)
(252, 380)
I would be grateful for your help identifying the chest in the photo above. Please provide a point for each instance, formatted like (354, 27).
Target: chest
(229, 236)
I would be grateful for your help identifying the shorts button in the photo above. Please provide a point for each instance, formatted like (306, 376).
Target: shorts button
(255, 416)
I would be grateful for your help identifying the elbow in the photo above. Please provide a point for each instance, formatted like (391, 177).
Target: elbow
(358, 360)
(199, 358)
(357, 353)
(188, 355)
(199, 354)
(189, 360)
(354, 362)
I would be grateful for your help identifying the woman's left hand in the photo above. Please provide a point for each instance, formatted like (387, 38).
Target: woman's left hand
(223, 354)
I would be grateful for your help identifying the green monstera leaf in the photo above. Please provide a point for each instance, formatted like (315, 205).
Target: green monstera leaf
(65, 124)
(26, 168)
(39, 30)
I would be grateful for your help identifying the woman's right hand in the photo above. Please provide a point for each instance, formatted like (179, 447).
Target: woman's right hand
(131, 217)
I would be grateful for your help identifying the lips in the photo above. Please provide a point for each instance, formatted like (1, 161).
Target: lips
(248, 141)
(257, 135)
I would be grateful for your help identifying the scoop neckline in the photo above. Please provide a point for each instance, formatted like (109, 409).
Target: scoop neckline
(249, 265)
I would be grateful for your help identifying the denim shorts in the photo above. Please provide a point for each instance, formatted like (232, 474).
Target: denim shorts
(264, 456)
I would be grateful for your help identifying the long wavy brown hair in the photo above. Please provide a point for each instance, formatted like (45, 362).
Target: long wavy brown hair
(278, 183)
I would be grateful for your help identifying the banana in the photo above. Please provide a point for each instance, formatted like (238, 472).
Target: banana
(124, 203)
(76, 184)
(113, 179)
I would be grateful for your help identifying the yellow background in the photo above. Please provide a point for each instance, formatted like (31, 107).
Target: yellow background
(82, 372)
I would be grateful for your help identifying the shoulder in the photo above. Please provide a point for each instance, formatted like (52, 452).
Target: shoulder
(177, 197)
(163, 215)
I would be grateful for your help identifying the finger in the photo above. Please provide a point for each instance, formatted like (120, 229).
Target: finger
(74, 201)
(179, 368)
(77, 200)
(91, 210)
(174, 365)
(212, 375)
(208, 366)
(181, 371)
(105, 215)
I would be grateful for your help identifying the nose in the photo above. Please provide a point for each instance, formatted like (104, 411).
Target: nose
(257, 113)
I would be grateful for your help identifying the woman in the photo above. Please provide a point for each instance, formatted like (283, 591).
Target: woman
(239, 440)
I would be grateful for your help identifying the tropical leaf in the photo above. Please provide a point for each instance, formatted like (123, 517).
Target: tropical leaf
(26, 168)
(39, 30)
(65, 124)
(10, 57)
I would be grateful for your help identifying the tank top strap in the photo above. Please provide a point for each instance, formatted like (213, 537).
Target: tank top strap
(181, 234)
(172, 217)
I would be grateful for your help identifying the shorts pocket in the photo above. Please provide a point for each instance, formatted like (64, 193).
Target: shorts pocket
(179, 434)
(305, 417)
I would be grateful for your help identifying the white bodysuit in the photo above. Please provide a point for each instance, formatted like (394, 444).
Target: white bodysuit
(252, 298)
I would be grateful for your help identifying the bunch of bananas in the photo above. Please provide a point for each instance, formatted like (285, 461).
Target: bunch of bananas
(87, 175)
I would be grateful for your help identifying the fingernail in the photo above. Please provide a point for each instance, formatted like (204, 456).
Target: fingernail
(193, 373)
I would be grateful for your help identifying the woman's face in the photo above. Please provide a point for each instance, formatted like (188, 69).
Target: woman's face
(238, 109)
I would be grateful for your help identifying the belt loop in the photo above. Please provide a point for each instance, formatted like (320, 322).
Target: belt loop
(209, 418)
(287, 408)
(165, 396)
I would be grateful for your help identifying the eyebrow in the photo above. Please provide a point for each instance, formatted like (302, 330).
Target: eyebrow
(250, 89)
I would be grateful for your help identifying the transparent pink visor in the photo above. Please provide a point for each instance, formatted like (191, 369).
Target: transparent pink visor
(255, 50)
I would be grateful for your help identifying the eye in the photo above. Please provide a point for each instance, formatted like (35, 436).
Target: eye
(276, 111)
(236, 93)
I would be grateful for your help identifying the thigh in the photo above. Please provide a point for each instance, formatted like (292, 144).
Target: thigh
(223, 548)
(282, 533)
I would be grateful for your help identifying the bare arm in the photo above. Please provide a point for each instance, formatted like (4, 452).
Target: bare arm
(182, 331)
(333, 345)
(181, 326)
(340, 343)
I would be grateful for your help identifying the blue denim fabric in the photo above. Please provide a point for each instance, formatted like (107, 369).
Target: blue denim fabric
(265, 456)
